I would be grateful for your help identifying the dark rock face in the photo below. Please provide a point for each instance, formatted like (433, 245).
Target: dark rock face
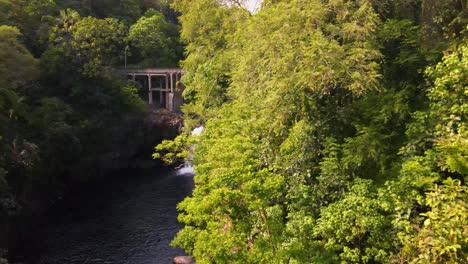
(134, 140)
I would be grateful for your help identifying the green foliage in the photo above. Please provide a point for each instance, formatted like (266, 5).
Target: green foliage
(18, 65)
(206, 25)
(324, 107)
(5, 6)
(443, 125)
(149, 37)
(437, 149)
(240, 213)
(444, 19)
(130, 100)
(334, 132)
(172, 151)
(360, 232)
(94, 45)
(34, 18)
(10, 109)
(128, 10)
(62, 113)
(448, 96)
(443, 236)
(18, 69)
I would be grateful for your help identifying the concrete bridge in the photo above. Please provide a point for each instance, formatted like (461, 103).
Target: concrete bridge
(162, 85)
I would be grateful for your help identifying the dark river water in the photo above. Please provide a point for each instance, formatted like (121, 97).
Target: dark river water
(129, 218)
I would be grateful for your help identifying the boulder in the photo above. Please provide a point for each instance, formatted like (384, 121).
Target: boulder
(183, 260)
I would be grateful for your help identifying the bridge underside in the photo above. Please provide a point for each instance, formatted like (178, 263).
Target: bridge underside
(162, 86)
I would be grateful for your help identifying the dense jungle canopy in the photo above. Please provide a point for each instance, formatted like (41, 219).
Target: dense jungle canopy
(335, 131)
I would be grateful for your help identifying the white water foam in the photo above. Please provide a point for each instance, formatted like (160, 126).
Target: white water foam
(197, 131)
(185, 170)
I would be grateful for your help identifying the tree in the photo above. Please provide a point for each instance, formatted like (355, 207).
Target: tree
(360, 232)
(150, 37)
(34, 19)
(129, 10)
(443, 236)
(93, 45)
(68, 19)
(19, 66)
(320, 139)
(254, 186)
(206, 26)
(442, 21)
(18, 69)
(5, 6)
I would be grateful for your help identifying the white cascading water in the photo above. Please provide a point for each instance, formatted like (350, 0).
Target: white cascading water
(187, 169)
(197, 131)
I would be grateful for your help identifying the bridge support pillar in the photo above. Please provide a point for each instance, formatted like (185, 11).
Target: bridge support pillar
(150, 92)
(170, 101)
(172, 82)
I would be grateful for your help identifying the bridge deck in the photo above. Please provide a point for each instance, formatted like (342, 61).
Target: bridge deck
(153, 71)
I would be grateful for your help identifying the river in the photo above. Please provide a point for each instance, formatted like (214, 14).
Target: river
(130, 217)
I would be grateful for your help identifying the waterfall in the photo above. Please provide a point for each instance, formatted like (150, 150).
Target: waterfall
(197, 131)
(187, 169)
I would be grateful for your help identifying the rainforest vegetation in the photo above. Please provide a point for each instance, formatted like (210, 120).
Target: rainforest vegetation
(335, 131)
(61, 97)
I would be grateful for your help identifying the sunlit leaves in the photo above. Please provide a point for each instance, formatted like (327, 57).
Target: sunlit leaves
(301, 156)
(235, 202)
(356, 227)
(173, 151)
(149, 36)
(443, 236)
(34, 18)
(18, 65)
(206, 27)
(92, 44)
(441, 133)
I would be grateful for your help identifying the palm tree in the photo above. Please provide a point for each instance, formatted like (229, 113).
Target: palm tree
(68, 19)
